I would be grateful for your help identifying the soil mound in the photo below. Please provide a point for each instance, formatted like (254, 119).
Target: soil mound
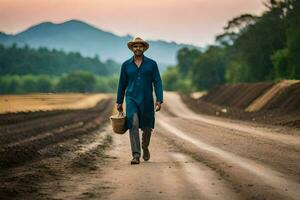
(275, 103)
(287, 100)
(237, 95)
(276, 97)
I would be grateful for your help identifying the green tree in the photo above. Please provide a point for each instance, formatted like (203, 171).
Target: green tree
(77, 81)
(293, 52)
(174, 81)
(255, 40)
(280, 63)
(209, 68)
(44, 84)
(10, 84)
(107, 84)
(185, 59)
(170, 78)
(29, 83)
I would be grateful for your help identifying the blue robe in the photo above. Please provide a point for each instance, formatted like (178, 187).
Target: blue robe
(138, 83)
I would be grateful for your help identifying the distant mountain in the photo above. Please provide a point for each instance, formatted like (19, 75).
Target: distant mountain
(79, 36)
(3, 36)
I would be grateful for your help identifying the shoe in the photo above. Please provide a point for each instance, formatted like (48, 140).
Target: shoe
(135, 161)
(146, 154)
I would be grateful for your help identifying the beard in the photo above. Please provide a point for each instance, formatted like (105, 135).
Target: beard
(138, 53)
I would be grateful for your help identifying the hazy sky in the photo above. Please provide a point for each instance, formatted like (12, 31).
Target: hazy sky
(184, 21)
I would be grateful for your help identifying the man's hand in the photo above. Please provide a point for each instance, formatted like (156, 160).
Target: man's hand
(120, 107)
(157, 106)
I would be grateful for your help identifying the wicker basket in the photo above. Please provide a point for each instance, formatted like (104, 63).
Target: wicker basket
(118, 123)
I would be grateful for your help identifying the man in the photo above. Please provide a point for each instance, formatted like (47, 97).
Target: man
(138, 76)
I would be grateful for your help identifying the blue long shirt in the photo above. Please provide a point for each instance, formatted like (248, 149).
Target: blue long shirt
(137, 84)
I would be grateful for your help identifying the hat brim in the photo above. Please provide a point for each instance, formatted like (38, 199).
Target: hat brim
(131, 43)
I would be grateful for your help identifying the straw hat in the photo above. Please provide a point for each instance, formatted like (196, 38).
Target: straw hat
(137, 40)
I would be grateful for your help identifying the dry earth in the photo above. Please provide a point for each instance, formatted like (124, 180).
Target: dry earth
(193, 156)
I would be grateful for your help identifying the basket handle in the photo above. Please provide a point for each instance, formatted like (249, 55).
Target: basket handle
(121, 114)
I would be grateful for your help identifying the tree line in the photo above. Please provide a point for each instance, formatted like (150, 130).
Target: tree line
(76, 81)
(251, 49)
(25, 60)
(26, 70)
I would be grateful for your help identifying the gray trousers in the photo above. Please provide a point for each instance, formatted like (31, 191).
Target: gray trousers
(135, 137)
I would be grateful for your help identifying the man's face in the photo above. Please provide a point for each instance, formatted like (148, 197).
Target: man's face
(138, 49)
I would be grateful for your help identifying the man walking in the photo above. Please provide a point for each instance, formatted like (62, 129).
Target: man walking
(138, 76)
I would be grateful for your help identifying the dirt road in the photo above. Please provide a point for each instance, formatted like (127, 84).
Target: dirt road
(192, 157)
